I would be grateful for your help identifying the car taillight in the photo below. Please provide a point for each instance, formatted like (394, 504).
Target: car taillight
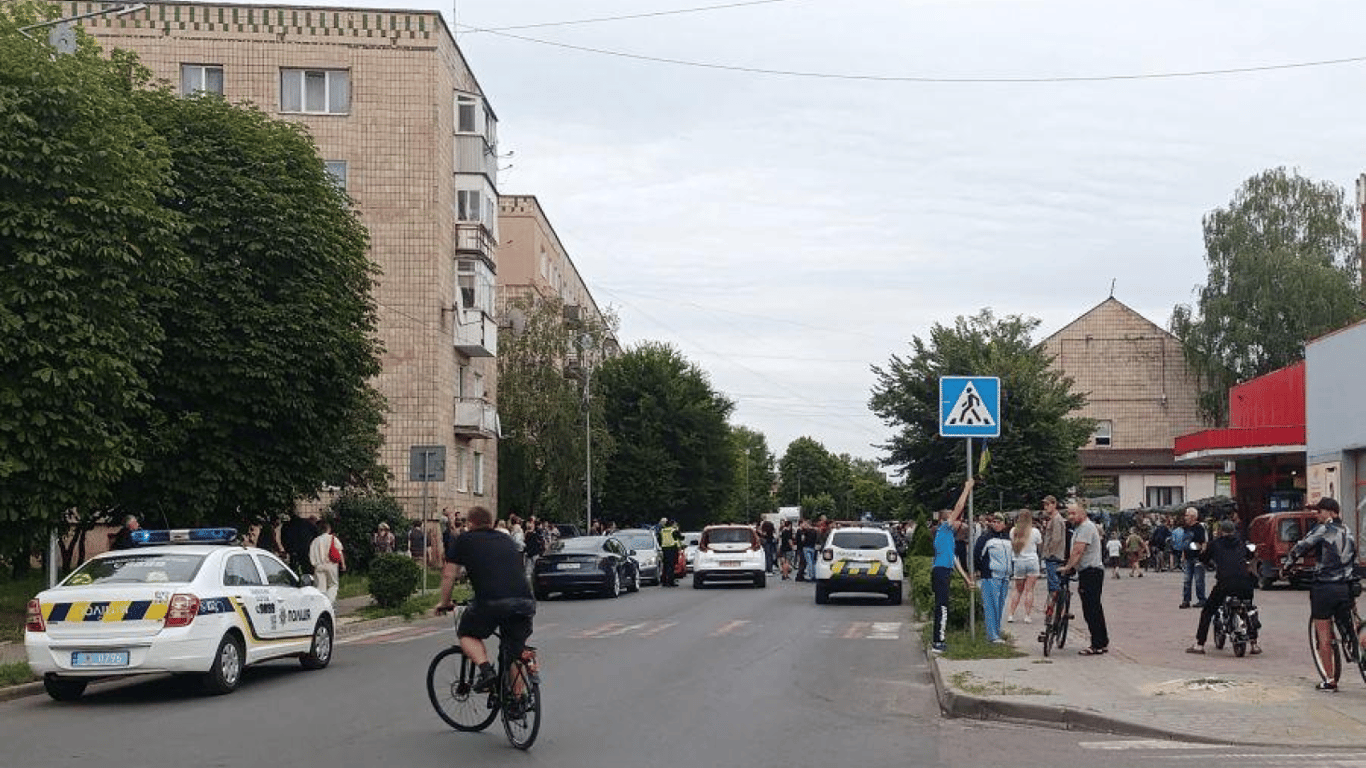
(182, 610)
(891, 557)
(827, 555)
(35, 617)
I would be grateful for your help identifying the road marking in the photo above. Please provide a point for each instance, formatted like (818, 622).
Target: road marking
(417, 634)
(856, 630)
(885, 630)
(729, 627)
(659, 627)
(598, 631)
(1146, 744)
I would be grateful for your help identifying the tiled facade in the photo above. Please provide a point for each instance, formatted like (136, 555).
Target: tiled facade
(378, 91)
(1138, 385)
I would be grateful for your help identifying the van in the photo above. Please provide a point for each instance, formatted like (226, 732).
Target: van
(1274, 534)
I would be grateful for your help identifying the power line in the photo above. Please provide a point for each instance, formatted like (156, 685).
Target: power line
(651, 14)
(929, 79)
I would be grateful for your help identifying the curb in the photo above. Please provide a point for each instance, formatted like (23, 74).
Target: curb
(955, 704)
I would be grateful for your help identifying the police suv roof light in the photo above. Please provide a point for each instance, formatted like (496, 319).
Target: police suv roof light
(144, 537)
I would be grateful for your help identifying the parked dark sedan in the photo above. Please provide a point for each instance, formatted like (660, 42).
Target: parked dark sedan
(597, 564)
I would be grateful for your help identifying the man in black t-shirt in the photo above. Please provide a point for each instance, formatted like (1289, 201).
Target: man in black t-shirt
(502, 596)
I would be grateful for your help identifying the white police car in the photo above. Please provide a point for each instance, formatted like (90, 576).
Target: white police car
(859, 559)
(183, 601)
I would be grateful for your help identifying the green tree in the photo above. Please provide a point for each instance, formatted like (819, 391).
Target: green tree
(85, 252)
(263, 396)
(869, 490)
(1037, 450)
(1282, 261)
(542, 370)
(754, 475)
(807, 469)
(673, 454)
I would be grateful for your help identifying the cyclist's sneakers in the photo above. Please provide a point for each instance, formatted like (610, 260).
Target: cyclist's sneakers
(1327, 686)
(1196, 649)
(484, 682)
(938, 647)
(1256, 649)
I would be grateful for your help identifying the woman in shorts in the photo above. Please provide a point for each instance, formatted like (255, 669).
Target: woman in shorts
(1024, 543)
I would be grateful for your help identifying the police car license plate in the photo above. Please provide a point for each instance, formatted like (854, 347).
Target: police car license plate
(99, 658)
(730, 563)
(567, 566)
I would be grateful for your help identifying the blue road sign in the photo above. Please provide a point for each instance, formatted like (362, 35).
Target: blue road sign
(969, 406)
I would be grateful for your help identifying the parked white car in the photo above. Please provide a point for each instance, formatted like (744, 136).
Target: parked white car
(207, 608)
(729, 553)
(690, 548)
(859, 559)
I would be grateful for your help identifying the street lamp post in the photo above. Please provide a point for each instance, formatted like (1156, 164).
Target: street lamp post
(584, 343)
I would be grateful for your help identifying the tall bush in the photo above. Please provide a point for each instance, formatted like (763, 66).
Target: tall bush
(355, 516)
(393, 578)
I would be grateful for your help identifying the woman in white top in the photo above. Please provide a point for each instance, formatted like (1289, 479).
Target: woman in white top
(1024, 542)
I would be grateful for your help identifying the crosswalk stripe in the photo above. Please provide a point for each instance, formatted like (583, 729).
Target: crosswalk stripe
(729, 627)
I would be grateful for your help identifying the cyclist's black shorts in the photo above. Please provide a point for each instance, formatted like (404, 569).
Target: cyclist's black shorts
(512, 617)
(1330, 598)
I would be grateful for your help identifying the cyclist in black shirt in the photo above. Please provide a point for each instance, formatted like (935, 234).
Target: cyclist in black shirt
(1231, 579)
(1330, 596)
(502, 596)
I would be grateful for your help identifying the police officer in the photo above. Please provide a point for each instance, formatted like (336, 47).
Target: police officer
(669, 539)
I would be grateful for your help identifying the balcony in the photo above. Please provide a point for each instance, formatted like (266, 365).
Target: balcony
(476, 417)
(474, 155)
(472, 238)
(476, 333)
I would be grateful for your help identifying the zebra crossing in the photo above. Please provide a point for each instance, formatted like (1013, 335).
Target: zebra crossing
(845, 630)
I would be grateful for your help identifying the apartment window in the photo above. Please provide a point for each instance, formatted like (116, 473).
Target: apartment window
(462, 374)
(478, 467)
(337, 169)
(467, 206)
(315, 91)
(1103, 432)
(465, 110)
(201, 78)
(1165, 495)
(474, 280)
(460, 484)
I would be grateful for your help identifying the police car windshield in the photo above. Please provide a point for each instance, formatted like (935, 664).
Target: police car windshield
(859, 540)
(637, 540)
(137, 568)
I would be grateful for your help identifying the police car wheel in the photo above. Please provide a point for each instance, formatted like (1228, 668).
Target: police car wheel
(226, 671)
(61, 689)
(320, 654)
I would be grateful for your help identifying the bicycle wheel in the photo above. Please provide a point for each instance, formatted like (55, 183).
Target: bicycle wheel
(1064, 616)
(1050, 622)
(1237, 632)
(1314, 651)
(522, 711)
(1220, 630)
(450, 684)
(1361, 662)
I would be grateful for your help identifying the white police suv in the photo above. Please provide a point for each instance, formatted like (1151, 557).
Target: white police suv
(183, 601)
(859, 559)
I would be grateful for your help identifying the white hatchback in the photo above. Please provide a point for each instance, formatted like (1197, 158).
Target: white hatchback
(729, 553)
(859, 559)
(207, 608)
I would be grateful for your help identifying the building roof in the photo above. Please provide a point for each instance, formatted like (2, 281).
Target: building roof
(1109, 303)
(1135, 459)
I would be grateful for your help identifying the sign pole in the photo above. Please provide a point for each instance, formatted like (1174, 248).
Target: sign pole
(972, 594)
(426, 554)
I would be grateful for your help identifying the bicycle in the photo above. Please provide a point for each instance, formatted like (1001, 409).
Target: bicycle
(1058, 616)
(1233, 622)
(516, 693)
(1344, 641)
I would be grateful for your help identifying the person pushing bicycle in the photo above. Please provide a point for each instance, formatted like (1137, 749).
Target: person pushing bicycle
(1331, 595)
(502, 596)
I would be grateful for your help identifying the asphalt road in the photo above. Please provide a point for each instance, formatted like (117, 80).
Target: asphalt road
(718, 677)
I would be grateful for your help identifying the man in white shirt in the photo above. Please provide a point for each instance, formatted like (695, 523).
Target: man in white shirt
(327, 572)
(1086, 560)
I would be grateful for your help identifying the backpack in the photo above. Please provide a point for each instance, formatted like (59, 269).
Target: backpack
(1179, 539)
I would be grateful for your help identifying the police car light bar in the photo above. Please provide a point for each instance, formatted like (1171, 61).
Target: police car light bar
(144, 537)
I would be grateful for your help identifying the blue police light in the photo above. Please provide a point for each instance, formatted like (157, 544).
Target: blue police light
(144, 537)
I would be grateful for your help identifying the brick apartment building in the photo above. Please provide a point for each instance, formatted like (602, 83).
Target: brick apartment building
(1142, 395)
(402, 123)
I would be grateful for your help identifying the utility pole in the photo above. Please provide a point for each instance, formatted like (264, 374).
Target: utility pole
(584, 343)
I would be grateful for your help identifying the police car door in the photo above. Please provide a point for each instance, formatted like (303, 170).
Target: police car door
(244, 584)
(295, 612)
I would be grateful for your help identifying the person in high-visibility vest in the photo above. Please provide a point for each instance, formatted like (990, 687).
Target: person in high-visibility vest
(669, 540)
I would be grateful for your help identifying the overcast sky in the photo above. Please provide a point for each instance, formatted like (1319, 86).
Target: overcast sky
(786, 233)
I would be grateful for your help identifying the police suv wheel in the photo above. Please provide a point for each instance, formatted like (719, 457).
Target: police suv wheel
(226, 672)
(320, 654)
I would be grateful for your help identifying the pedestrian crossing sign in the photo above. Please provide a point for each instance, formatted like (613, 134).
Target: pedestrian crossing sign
(969, 406)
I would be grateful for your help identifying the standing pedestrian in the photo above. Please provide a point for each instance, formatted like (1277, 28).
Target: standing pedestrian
(769, 538)
(383, 540)
(1024, 565)
(1193, 543)
(1136, 549)
(1330, 594)
(1054, 548)
(993, 559)
(1113, 548)
(1089, 566)
(807, 536)
(1158, 543)
(329, 560)
(945, 563)
(786, 545)
(297, 534)
(669, 539)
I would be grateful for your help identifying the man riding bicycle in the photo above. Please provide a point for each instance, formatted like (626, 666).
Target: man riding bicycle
(502, 597)
(1330, 595)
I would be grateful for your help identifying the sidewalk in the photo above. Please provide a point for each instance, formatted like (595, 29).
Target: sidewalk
(1147, 685)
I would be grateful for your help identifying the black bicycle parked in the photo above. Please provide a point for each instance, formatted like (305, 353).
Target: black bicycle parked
(1058, 615)
(516, 693)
